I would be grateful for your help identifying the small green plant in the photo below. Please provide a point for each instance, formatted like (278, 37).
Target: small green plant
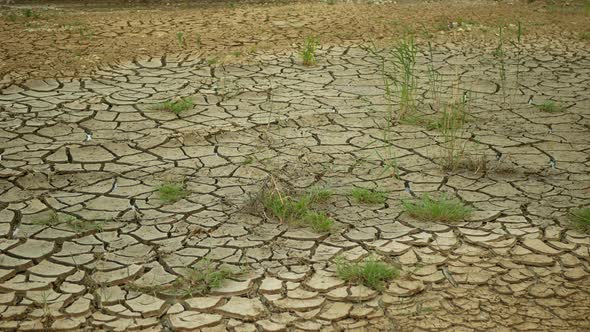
(441, 209)
(85, 32)
(172, 192)
(580, 219)
(398, 73)
(299, 210)
(200, 279)
(403, 75)
(500, 54)
(434, 79)
(237, 54)
(550, 106)
(247, 160)
(12, 17)
(452, 128)
(177, 107)
(198, 40)
(318, 195)
(180, 39)
(367, 196)
(212, 61)
(371, 273)
(308, 52)
(72, 222)
(387, 157)
(388, 161)
(285, 208)
(53, 219)
(518, 46)
(29, 13)
(319, 221)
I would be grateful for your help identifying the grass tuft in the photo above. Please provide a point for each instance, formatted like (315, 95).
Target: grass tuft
(172, 192)
(299, 210)
(247, 160)
(319, 221)
(177, 107)
(29, 13)
(201, 279)
(318, 195)
(367, 196)
(212, 61)
(580, 218)
(308, 52)
(550, 106)
(441, 209)
(371, 273)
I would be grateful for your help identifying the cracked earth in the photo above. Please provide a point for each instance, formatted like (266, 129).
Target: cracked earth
(95, 148)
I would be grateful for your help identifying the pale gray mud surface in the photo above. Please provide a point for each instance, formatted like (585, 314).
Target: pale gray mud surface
(95, 148)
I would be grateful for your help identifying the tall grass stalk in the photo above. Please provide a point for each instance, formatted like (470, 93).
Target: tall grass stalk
(434, 80)
(180, 39)
(404, 78)
(518, 46)
(500, 54)
(388, 158)
(452, 129)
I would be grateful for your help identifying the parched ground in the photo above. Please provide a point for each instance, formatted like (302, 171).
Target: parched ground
(89, 144)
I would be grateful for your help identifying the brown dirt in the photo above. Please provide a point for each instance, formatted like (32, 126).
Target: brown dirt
(69, 41)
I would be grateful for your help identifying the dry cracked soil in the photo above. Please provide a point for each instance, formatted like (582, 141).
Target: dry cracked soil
(87, 243)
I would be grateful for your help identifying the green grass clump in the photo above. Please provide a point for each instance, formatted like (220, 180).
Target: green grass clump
(247, 160)
(77, 225)
(427, 121)
(319, 221)
(177, 107)
(212, 61)
(285, 208)
(580, 218)
(367, 196)
(29, 13)
(318, 195)
(180, 39)
(171, 192)
(441, 209)
(200, 279)
(299, 210)
(308, 52)
(371, 273)
(550, 106)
